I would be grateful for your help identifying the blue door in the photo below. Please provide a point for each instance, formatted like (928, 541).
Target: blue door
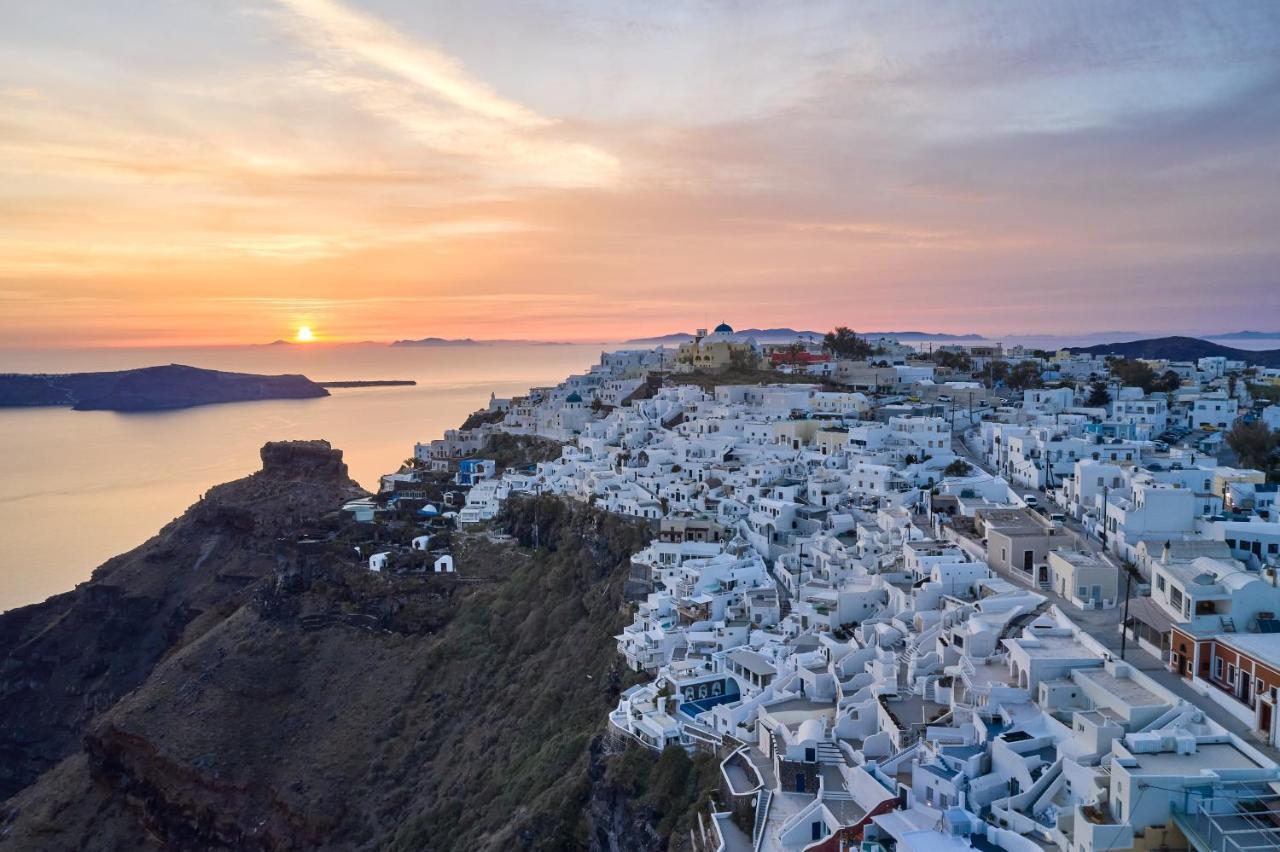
(799, 782)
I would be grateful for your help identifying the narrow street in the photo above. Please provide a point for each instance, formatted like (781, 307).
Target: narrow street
(1104, 626)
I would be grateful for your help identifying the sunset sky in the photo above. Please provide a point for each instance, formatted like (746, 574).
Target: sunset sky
(216, 171)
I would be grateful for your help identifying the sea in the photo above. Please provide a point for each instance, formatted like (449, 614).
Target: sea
(78, 487)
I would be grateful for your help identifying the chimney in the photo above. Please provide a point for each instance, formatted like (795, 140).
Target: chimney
(1164, 557)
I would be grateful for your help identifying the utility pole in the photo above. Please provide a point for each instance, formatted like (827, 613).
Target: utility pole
(1124, 621)
(1102, 535)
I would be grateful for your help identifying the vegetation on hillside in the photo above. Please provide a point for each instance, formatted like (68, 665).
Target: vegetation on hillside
(1138, 374)
(1254, 444)
(483, 417)
(519, 451)
(673, 787)
(843, 342)
(324, 706)
(732, 376)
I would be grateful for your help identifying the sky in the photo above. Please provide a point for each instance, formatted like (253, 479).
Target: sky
(218, 172)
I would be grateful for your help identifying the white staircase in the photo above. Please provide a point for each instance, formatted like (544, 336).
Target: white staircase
(829, 752)
(763, 799)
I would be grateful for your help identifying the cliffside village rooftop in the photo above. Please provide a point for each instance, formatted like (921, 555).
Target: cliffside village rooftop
(888, 594)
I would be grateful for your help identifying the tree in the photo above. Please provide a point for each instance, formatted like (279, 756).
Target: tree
(1254, 443)
(1132, 373)
(742, 358)
(794, 352)
(843, 342)
(959, 467)
(1099, 396)
(1168, 382)
(958, 361)
(996, 372)
(1024, 374)
(1267, 393)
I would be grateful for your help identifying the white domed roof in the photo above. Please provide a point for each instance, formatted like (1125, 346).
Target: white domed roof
(810, 729)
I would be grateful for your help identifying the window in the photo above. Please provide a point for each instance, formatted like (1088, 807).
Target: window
(1217, 667)
(1231, 673)
(1160, 582)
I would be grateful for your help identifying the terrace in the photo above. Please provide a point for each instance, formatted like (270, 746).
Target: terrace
(1239, 820)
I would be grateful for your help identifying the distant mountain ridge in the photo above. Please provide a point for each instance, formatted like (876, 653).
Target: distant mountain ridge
(467, 341)
(1181, 349)
(1246, 335)
(438, 341)
(775, 335)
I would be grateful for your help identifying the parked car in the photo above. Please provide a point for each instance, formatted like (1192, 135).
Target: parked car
(1031, 500)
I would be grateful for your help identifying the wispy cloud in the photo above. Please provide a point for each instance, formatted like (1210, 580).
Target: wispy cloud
(431, 95)
(580, 166)
(337, 29)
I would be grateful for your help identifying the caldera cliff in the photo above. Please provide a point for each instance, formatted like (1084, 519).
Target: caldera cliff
(242, 682)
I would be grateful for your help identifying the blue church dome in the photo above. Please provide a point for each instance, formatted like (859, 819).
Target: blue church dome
(573, 397)
(724, 328)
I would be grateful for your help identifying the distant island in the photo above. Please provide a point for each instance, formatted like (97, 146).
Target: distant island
(467, 341)
(439, 341)
(369, 383)
(1246, 335)
(1182, 349)
(922, 335)
(150, 389)
(776, 335)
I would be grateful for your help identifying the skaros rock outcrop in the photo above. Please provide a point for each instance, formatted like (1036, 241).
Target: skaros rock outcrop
(68, 659)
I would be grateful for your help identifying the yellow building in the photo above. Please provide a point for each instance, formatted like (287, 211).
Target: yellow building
(1224, 476)
(716, 352)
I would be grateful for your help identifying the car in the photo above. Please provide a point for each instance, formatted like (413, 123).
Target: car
(1057, 517)
(1031, 500)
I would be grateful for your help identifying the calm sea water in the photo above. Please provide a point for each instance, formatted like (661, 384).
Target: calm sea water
(78, 487)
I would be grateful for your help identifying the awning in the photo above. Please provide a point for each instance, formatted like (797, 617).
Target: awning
(1151, 614)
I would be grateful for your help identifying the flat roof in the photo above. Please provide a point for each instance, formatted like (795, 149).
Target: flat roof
(1206, 756)
(1261, 646)
(751, 661)
(1079, 557)
(1041, 645)
(1124, 688)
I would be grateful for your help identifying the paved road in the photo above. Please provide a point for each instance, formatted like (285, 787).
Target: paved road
(1104, 625)
(1084, 541)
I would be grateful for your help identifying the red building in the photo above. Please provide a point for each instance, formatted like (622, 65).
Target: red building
(780, 357)
(1243, 673)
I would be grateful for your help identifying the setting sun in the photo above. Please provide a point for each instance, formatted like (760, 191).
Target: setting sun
(305, 335)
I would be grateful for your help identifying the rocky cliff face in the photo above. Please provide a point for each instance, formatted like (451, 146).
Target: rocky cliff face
(71, 658)
(215, 690)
